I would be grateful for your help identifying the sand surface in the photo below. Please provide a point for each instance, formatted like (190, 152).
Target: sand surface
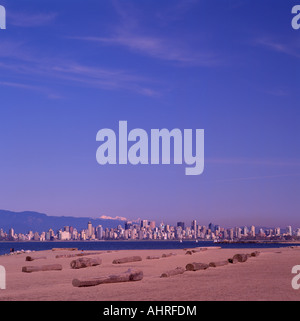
(266, 277)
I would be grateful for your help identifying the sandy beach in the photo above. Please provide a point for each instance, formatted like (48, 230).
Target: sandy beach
(266, 277)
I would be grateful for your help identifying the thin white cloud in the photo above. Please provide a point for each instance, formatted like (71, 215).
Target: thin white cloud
(157, 47)
(39, 89)
(290, 48)
(71, 73)
(132, 35)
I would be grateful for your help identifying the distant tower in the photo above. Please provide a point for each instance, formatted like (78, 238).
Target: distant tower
(252, 231)
(144, 223)
(90, 229)
(99, 232)
(194, 228)
(152, 225)
(11, 232)
(211, 227)
(180, 224)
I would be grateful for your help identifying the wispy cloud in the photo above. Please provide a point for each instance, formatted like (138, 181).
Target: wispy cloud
(288, 48)
(131, 34)
(69, 72)
(49, 93)
(156, 47)
(22, 19)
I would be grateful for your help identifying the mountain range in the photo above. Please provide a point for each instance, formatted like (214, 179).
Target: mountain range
(23, 222)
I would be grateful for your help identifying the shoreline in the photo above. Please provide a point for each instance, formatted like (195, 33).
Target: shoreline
(266, 277)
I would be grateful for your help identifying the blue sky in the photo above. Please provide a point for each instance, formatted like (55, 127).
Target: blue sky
(230, 67)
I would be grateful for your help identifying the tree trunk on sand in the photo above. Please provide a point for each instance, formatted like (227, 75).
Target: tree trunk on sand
(196, 266)
(155, 257)
(130, 275)
(168, 255)
(233, 261)
(240, 257)
(84, 262)
(127, 259)
(219, 263)
(30, 258)
(50, 267)
(178, 270)
(78, 254)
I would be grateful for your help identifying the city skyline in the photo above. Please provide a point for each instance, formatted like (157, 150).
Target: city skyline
(149, 231)
(228, 67)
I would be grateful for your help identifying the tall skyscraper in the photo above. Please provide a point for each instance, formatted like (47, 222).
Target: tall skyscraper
(144, 223)
(252, 230)
(152, 225)
(289, 230)
(89, 229)
(99, 232)
(180, 224)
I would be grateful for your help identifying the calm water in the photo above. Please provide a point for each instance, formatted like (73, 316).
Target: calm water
(127, 245)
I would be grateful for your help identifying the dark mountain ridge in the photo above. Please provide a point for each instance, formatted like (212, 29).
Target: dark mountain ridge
(23, 222)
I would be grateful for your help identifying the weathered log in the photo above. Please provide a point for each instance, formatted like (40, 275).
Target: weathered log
(84, 262)
(240, 257)
(30, 258)
(255, 253)
(219, 263)
(196, 266)
(178, 270)
(127, 259)
(75, 255)
(168, 254)
(49, 267)
(130, 275)
(203, 249)
(233, 260)
(64, 249)
(153, 257)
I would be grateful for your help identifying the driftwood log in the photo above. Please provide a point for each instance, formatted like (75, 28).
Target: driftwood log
(168, 254)
(84, 262)
(75, 255)
(130, 275)
(178, 270)
(196, 266)
(49, 267)
(64, 249)
(30, 258)
(219, 263)
(153, 257)
(240, 257)
(127, 259)
(233, 260)
(255, 253)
